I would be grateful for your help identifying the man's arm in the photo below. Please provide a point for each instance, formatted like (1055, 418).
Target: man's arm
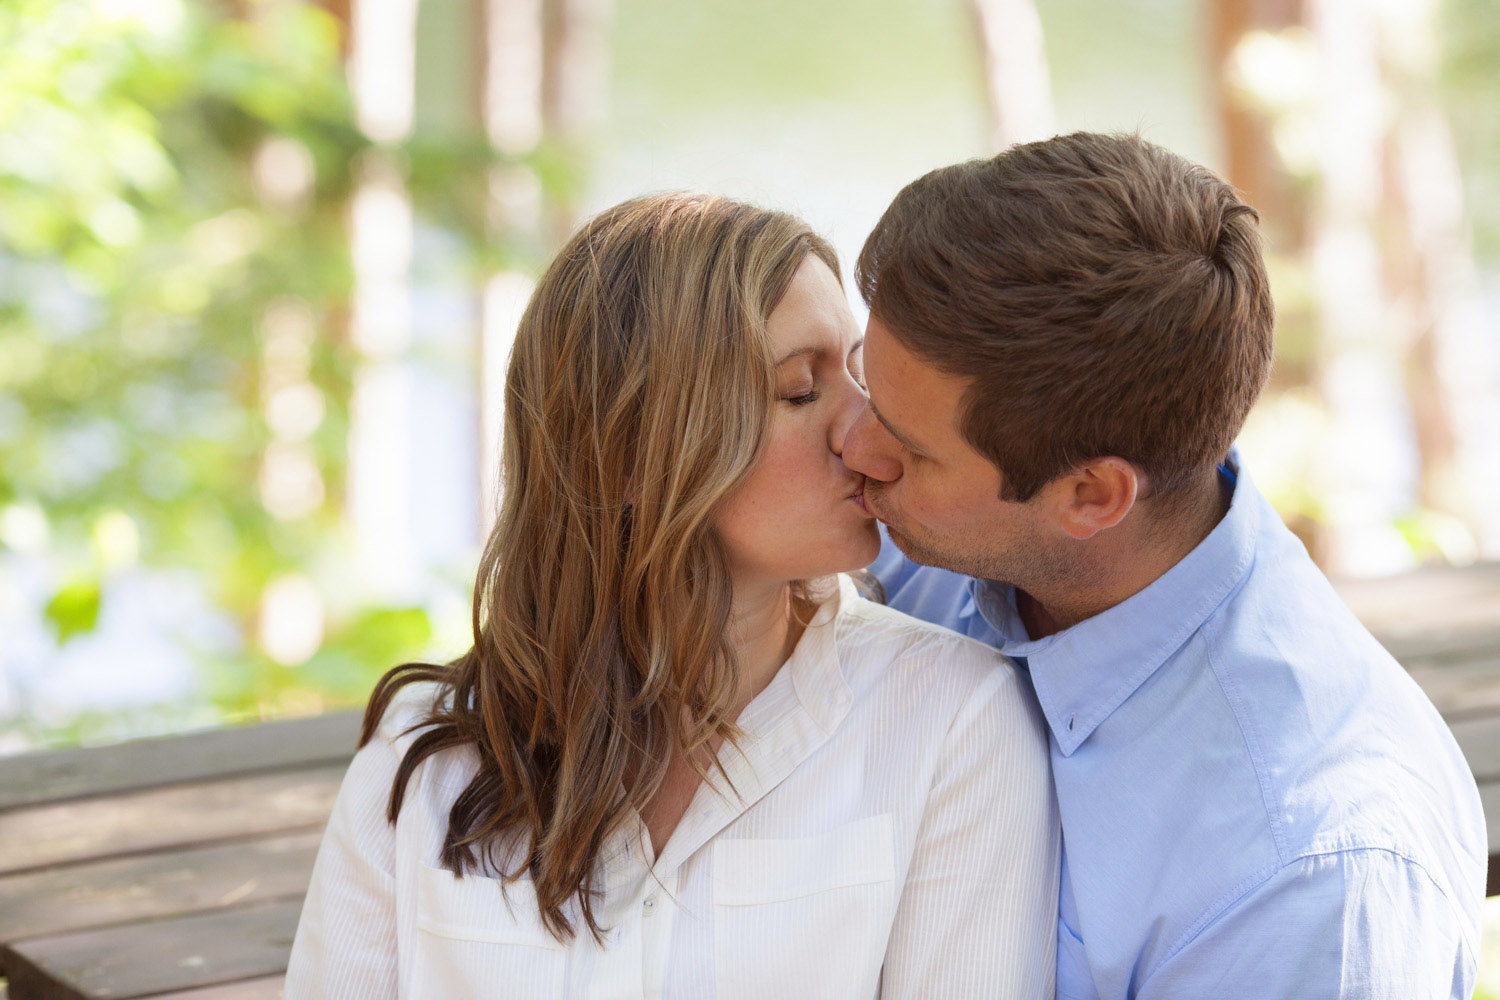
(1357, 924)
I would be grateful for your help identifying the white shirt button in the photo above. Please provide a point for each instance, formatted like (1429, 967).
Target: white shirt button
(649, 905)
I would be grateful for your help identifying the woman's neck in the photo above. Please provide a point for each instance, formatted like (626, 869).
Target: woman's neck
(763, 631)
(762, 634)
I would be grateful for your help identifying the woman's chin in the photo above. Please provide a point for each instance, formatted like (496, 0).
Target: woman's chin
(856, 549)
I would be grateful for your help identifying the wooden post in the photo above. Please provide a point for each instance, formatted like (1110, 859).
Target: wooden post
(509, 104)
(1017, 84)
(1251, 161)
(1451, 378)
(574, 90)
(382, 66)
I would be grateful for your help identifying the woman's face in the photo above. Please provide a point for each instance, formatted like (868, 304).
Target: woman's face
(799, 515)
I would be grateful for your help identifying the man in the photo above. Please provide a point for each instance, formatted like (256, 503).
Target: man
(1256, 800)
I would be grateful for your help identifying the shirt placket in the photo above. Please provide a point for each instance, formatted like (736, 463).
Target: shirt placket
(618, 969)
(658, 914)
(634, 962)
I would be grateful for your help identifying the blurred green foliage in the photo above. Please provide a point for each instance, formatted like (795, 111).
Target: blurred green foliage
(141, 252)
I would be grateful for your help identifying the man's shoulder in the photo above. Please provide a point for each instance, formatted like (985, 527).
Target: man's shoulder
(1279, 733)
(1353, 922)
(1325, 709)
(1348, 752)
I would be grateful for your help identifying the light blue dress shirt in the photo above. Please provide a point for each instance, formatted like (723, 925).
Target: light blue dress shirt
(1257, 801)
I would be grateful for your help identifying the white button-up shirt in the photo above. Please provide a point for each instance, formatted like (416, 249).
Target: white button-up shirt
(891, 832)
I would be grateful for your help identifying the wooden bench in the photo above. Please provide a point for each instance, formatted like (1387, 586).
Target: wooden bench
(177, 866)
(164, 865)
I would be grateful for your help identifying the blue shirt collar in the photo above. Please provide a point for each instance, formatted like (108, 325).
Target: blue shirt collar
(1083, 673)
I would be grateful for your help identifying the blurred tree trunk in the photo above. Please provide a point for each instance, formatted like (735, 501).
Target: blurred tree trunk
(543, 83)
(1366, 202)
(1252, 163)
(1017, 84)
(1244, 36)
(1431, 274)
(382, 74)
(509, 106)
(574, 93)
(1358, 477)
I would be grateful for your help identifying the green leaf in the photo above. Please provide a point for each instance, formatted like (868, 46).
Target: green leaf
(74, 610)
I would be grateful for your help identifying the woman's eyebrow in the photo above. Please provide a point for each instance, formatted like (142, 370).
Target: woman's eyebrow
(798, 353)
(810, 350)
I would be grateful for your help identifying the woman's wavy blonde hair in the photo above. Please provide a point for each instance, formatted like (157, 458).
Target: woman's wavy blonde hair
(638, 398)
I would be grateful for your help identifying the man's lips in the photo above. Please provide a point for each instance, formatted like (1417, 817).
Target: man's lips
(858, 497)
(867, 506)
(861, 502)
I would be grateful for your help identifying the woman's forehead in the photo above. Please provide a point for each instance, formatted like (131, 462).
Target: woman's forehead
(813, 316)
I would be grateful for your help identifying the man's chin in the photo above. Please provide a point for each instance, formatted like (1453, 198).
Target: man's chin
(928, 555)
(913, 549)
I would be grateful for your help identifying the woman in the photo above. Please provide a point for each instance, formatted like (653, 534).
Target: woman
(683, 758)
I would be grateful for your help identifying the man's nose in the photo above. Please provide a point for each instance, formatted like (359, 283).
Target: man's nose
(865, 447)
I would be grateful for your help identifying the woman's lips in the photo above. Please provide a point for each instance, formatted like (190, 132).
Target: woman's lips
(859, 501)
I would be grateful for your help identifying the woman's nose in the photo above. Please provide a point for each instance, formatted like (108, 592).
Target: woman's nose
(851, 405)
(860, 447)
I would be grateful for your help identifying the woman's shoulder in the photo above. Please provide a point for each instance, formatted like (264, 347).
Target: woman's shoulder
(409, 711)
(884, 631)
(878, 644)
(437, 776)
(938, 683)
(413, 709)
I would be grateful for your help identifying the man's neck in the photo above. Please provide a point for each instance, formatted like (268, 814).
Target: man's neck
(1038, 623)
(1122, 566)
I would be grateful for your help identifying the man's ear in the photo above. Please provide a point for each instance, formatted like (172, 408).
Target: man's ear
(1097, 495)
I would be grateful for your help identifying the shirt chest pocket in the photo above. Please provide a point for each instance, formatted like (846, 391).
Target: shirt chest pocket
(805, 917)
(474, 940)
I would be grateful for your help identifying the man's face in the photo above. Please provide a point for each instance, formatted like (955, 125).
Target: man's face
(938, 497)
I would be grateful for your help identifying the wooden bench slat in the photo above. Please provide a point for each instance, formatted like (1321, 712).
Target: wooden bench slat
(1433, 613)
(1489, 796)
(263, 988)
(1461, 690)
(1435, 594)
(52, 776)
(1479, 739)
(148, 886)
(1447, 650)
(1444, 648)
(156, 956)
(172, 817)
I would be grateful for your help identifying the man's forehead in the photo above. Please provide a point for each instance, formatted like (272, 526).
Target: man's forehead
(917, 402)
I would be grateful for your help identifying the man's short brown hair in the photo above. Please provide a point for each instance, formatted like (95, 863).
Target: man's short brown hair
(1104, 295)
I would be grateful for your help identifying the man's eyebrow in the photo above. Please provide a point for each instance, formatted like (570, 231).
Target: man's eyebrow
(905, 441)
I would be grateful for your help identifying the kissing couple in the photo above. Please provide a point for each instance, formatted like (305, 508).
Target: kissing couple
(955, 657)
